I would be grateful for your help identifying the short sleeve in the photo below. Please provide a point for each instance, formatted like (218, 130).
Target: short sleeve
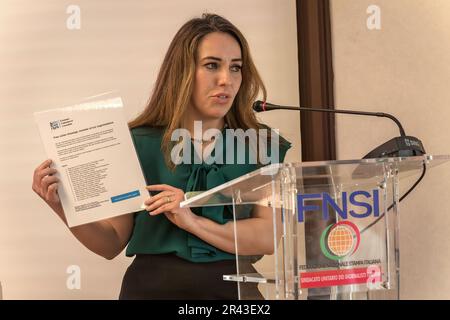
(283, 148)
(279, 144)
(276, 142)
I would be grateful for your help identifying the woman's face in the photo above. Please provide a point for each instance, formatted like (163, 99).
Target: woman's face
(217, 77)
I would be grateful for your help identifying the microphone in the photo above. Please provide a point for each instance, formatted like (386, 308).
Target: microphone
(402, 146)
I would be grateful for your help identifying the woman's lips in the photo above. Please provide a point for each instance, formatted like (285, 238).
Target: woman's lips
(221, 99)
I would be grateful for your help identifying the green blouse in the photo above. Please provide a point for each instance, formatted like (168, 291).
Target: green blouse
(156, 234)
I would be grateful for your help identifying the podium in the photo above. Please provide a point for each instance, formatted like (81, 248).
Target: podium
(334, 227)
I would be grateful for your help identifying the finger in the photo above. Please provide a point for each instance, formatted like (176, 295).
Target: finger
(52, 194)
(160, 209)
(172, 200)
(159, 203)
(47, 181)
(44, 172)
(162, 187)
(156, 197)
(44, 165)
(160, 195)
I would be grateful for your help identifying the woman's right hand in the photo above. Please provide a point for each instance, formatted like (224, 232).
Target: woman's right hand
(45, 184)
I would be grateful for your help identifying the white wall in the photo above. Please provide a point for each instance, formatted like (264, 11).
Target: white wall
(119, 47)
(403, 69)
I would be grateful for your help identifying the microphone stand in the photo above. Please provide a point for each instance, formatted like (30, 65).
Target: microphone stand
(402, 146)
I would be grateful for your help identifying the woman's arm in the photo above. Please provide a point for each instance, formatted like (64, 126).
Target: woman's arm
(106, 238)
(256, 235)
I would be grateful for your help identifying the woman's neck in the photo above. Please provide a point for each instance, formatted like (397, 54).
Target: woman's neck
(193, 125)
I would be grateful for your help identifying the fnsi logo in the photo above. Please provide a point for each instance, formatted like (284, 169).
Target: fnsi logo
(364, 204)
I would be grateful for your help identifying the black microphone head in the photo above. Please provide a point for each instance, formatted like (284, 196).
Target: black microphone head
(258, 106)
(405, 146)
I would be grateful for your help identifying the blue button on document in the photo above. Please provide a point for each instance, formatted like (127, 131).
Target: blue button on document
(125, 196)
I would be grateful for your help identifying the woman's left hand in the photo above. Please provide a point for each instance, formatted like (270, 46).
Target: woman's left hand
(168, 202)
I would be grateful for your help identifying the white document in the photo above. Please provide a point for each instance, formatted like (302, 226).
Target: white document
(92, 149)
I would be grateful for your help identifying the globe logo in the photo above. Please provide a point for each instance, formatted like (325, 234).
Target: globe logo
(340, 240)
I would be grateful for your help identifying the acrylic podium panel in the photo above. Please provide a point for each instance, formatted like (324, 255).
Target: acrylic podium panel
(334, 231)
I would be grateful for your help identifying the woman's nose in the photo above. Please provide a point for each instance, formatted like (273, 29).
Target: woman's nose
(224, 78)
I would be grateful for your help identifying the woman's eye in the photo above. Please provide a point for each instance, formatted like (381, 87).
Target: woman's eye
(211, 65)
(236, 68)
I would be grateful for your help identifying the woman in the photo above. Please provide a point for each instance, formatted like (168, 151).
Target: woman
(207, 76)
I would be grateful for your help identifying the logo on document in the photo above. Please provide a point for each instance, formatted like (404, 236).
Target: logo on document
(340, 240)
(55, 124)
